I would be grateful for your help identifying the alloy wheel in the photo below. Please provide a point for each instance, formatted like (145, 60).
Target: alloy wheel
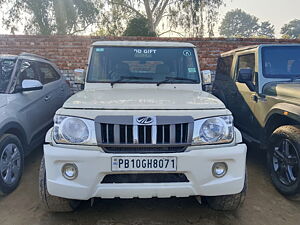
(10, 164)
(286, 162)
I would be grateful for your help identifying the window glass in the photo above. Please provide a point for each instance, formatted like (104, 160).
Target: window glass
(6, 69)
(27, 72)
(224, 65)
(247, 62)
(147, 65)
(47, 73)
(281, 61)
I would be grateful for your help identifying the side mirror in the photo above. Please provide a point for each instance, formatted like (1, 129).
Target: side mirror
(206, 77)
(246, 76)
(79, 75)
(30, 85)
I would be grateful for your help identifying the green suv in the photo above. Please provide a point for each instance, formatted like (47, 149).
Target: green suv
(261, 86)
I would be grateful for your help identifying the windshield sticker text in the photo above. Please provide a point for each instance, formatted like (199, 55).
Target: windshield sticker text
(187, 53)
(192, 70)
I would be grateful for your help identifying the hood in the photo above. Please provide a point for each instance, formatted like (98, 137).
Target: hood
(3, 100)
(143, 99)
(286, 90)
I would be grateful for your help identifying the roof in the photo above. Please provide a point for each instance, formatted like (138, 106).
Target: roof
(144, 44)
(244, 48)
(7, 56)
(24, 54)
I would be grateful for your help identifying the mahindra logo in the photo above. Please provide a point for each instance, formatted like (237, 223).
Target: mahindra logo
(144, 120)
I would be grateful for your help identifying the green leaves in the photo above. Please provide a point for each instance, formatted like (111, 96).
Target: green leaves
(49, 16)
(191, 18)
(238, 23)
(291, 30)
(139, 27)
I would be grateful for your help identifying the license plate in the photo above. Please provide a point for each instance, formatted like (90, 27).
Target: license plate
(140, 163)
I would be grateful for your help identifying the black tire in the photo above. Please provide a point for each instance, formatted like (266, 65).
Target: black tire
(228, 202)
(283, 159)
(53, 203)
(11, 163)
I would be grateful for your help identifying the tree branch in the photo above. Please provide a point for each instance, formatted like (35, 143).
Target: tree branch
(127, 6)
(176, 32)
(160, 13)
(80, 30)
(149, 15)
(154, 6)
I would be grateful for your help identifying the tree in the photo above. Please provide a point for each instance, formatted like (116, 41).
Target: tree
(238, 23)
(49, 16)
(166, 15)
(266, 30)
(139, 27)
(292, 29)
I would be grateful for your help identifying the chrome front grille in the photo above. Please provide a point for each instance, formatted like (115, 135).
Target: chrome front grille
(126, 132)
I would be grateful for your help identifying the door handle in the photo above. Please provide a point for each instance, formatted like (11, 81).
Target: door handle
(47, 98)
(257, 98)
(254, 98)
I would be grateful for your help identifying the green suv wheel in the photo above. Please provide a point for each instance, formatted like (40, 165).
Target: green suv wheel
(11, 163)
(284, 159)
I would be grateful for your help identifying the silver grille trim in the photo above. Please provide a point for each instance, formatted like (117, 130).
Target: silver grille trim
(158, 131)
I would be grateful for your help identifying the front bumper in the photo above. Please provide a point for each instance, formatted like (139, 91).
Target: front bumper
(195, 163)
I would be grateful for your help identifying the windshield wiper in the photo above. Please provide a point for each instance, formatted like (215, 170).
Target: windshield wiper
(129, 77)
(295, 77)
(168, 79)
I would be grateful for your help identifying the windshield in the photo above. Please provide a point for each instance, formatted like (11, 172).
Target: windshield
(6, 69)
(281, 62)
(143, 65)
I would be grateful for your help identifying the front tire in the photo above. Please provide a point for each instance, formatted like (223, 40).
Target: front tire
(52, 203)
(11, 163)
(284, 159)
(228, 202)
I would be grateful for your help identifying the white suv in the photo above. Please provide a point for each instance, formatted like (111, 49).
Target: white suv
(143, 127)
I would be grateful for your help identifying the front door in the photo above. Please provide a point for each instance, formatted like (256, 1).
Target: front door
(245, 98)
(30, 105)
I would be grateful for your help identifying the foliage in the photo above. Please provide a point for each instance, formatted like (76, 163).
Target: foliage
(291, 30)
(188, 16)
(49, 16)
(139, 27)
(238, 23)
(266, 30)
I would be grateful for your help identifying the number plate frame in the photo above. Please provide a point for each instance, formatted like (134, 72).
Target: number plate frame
(134, 167)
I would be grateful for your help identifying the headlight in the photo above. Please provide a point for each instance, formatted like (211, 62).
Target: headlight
(74, 130)
(213, 130)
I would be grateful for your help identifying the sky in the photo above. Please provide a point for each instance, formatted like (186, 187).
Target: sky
(278, 12)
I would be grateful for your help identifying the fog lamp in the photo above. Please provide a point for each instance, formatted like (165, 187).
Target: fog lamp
(69, 171)
(219, 169)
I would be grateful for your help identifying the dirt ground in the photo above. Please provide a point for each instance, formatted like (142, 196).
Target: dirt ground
(263, 205)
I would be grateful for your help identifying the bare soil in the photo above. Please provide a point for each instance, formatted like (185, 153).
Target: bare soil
(263, 205)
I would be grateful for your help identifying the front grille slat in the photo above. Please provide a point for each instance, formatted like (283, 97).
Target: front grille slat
(116, 134)
(120, 132)
(126, 137)
(145, 178)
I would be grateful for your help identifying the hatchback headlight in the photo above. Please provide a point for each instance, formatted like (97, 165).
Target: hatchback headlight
(74, 130)
(213, 130)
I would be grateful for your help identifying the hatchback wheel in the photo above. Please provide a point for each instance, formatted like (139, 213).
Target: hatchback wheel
(11, 163)
(284, 159)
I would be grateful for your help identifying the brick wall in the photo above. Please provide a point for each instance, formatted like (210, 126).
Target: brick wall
(71, 52)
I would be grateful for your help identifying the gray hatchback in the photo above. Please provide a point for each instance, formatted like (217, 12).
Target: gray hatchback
(31, 90)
